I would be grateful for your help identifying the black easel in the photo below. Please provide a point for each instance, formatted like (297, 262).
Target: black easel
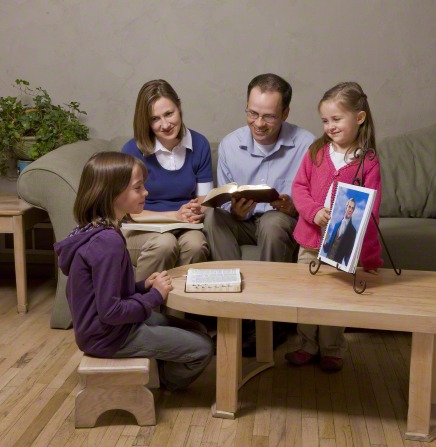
(314, 266)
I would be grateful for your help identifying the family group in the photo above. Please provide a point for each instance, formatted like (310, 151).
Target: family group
(166, 170)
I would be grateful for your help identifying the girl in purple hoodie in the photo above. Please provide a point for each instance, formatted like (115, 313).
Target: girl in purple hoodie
(112, 315)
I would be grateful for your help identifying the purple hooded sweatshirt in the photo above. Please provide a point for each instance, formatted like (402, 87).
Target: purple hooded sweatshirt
(104, 300)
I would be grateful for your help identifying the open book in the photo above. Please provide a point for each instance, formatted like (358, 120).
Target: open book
(343, 238)
(259, 193)
(158, 224)
(213, 280)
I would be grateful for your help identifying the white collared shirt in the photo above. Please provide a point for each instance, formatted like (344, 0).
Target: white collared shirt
(174, 160)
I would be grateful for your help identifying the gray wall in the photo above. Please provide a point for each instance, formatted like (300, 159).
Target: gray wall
(100, 52)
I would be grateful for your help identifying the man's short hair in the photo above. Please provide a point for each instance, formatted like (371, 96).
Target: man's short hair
(271, 82)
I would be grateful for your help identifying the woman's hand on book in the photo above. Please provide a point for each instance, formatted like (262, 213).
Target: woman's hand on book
(241, 207)
(322, 217)
(285, 205)
(162, 282)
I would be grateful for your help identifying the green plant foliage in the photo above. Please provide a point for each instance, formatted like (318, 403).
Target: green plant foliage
(32, 114)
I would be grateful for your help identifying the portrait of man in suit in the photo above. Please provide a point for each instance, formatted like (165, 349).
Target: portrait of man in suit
(339, 244)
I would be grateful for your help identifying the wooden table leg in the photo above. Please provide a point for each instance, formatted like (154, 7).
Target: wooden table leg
(20, 263)
(264, 341)
(420, 388)
(228, 355)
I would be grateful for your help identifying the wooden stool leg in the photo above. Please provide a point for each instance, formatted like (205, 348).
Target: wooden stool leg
(153, 381)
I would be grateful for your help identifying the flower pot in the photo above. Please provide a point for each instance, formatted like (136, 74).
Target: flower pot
(23, 148)
(21, 165)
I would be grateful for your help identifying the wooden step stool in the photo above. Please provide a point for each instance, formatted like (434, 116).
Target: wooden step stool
(116, 384)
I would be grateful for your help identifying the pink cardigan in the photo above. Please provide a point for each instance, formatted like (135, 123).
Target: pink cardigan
(309, 192)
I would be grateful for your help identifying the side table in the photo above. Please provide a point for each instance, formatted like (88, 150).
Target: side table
(16, 216)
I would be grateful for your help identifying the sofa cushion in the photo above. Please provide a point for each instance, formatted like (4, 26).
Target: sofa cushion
(411, 242)
(408, 170)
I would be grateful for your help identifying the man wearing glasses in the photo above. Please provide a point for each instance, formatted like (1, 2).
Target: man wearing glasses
(268, 150)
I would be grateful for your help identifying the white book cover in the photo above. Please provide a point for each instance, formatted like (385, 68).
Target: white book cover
(343, 237)
(213, 280)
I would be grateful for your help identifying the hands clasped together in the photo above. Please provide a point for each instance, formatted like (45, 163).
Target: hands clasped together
(160, 281)
(191, 212)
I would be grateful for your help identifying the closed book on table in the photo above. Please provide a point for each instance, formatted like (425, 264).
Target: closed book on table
(213, 280)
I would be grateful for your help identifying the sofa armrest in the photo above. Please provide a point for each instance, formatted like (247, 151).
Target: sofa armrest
(52, 181)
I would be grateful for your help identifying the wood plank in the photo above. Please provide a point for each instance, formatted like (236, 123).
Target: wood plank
(390, 428)
(358, 344)
(343, 435)
(354, 405)
(326, 427)
(262, 419)
(294, 407)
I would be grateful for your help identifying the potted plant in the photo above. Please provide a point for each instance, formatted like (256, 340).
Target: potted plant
(31, 125)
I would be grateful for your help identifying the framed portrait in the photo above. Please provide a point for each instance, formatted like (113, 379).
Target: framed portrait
(343, 236)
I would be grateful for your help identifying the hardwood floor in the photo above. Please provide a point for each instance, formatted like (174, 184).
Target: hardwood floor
(364, 405)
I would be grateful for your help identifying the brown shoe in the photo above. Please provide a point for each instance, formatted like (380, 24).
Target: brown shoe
(299, 358)
(329, 363)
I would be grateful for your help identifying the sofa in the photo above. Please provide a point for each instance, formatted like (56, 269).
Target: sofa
(408, 208)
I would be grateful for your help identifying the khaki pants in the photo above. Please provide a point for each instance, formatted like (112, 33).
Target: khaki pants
(329, 340)
(271, 231)
(155, 252)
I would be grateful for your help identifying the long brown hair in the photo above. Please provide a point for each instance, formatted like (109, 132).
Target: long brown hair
(352, 98)
(105, 176)
(147, 96)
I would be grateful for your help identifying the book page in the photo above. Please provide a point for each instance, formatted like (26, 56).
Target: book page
(253, 187)
(227, 188)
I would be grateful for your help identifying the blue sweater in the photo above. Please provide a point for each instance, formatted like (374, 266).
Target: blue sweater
(169, 190)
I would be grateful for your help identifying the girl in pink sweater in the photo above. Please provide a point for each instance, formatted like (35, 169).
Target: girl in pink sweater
(348, 125)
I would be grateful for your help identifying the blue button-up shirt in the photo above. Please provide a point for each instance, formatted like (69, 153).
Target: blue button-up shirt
(240, 161)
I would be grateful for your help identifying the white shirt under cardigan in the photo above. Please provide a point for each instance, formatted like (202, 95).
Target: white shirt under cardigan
(174, 160)
(339, 161)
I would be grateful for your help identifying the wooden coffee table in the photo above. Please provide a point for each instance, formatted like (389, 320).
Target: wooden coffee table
(16, 216)
(288, 292)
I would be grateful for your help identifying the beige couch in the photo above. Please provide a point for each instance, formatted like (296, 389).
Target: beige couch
(408, 210)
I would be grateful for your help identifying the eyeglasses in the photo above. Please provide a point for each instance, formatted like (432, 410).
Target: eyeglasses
(254, 116)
